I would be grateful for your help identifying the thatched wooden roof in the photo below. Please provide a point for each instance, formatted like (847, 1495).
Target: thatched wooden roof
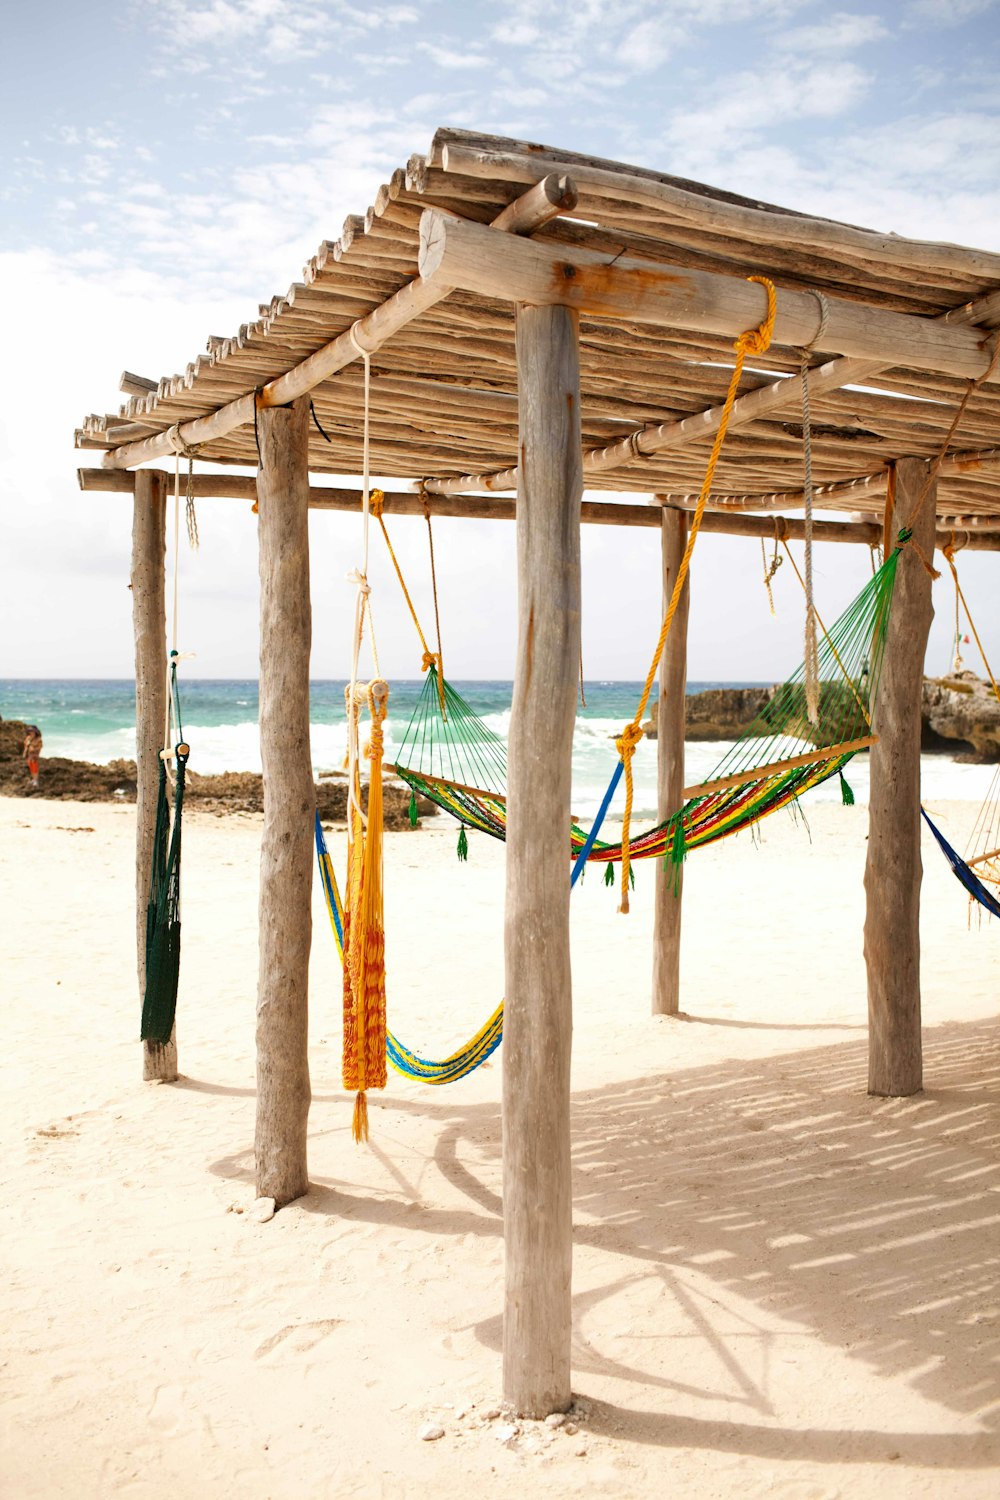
(444, 388)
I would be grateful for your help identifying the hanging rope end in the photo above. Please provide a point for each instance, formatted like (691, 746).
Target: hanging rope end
(359, 1121)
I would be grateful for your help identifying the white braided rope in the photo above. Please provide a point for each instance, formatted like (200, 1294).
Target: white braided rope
(811, 653)
(359, 577)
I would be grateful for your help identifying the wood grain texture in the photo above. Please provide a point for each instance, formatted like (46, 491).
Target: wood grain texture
(538, 1018)
(670, 719)
(149, 621)
(283, 1090)
(462, 254)
(893, 869)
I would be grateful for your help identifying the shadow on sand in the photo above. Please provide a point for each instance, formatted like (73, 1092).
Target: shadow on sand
(781, 1181)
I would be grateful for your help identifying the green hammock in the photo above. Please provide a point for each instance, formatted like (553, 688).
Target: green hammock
(457, 761)
(163, 911)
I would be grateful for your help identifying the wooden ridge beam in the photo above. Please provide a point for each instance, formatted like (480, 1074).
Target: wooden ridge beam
(468, 255)
(554, 195)
(593, 512)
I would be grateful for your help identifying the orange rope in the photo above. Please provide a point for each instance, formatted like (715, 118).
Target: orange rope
(753, 341)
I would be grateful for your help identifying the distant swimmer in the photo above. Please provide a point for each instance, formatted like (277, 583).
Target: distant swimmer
(32, 751)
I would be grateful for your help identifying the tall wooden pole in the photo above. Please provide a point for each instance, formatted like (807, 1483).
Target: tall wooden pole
(670, 769)
(159, 1059)
(283, 1091)
(893, 870)
(538, 1015)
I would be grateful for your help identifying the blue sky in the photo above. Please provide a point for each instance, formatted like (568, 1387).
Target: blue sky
(167, 168)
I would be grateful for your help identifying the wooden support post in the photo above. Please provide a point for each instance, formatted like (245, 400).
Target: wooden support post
(893, 869)
(159, 1060)
(283, 1092)
(670, 769)
(538, 1018)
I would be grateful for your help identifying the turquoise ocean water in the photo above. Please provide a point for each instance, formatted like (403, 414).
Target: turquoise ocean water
(95, 720)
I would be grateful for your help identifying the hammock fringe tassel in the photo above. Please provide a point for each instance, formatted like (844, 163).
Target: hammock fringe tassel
(463, 844)
(846, 791)
(359, 1120)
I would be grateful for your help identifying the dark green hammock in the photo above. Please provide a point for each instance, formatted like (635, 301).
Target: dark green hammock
(163, 911)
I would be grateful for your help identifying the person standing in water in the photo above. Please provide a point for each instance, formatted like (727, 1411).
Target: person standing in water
(32, 752)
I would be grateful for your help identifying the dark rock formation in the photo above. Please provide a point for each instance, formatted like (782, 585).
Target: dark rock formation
(235, 791)
(960, 715)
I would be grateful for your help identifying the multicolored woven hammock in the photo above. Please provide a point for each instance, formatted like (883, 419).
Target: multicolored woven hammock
(458, 1064)
(449, 755)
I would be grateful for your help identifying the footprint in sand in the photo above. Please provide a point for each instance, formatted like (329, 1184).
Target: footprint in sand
(166, 1410)
(297, 1338)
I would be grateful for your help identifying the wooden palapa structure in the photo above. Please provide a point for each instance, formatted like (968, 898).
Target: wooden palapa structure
(539, 321)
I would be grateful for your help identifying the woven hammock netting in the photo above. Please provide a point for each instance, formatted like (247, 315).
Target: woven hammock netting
(452, 757)
(163, 911)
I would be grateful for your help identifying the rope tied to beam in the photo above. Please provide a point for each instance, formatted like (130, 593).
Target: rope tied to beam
(811, 653)
(359, 577)
(752, 341)
(932, 472)
(776, 561)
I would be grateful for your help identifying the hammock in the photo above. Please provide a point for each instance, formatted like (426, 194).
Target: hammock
(983, 865)
(488, 1038)
(449, 755)
(476, 1051)
(964, 871)
(163, 911)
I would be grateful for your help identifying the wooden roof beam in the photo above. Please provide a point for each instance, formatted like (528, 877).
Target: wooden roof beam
(467, 255)
(135, 385)
(778, 395)
(555, 194)
(829, 376)
(594, 512)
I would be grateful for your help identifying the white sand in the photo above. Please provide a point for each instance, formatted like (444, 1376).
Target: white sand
(782, 1287)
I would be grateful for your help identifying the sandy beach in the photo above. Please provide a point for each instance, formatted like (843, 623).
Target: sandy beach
(782, 1287)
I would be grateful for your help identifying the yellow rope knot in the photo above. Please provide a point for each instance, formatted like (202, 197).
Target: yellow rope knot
(376, 500)
(628, 739)
(625, 745)
(431, 659)
(757, 340)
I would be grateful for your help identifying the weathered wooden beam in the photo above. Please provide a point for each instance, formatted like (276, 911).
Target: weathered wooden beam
(556, 194)
(829, 376)
(538, 1015)
(283, 1090)
(159, 1059)
(984, 531)
(466, 255)
(893, 869)
(464, 154)
(135, 385)
(367, 334)
(670, 768)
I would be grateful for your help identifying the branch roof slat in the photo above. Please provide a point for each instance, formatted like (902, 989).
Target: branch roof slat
(444, 382)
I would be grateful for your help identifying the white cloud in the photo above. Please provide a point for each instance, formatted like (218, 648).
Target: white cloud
(453, 58)
(742, 109)
(840, 32)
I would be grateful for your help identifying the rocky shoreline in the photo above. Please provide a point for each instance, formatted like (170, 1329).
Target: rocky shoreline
(67, 780)
(961, 717)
